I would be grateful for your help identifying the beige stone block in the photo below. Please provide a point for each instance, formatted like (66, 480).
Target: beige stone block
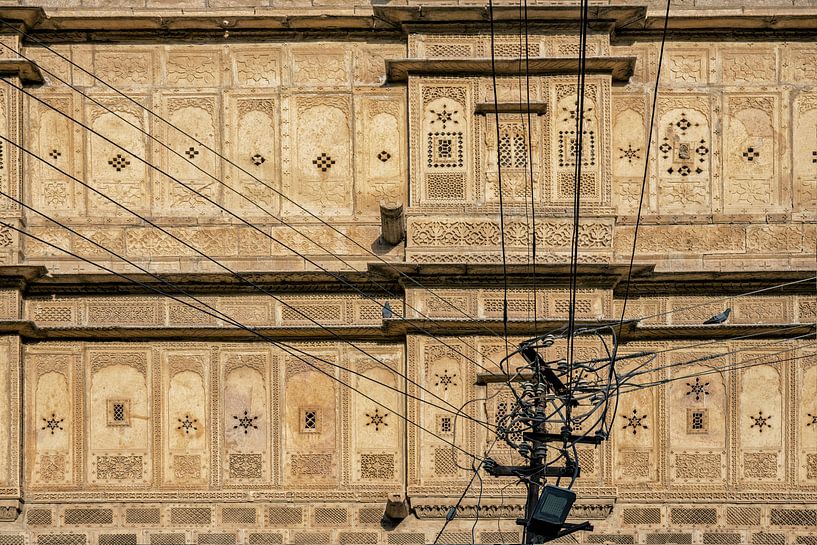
(774, 238)
(666, 239)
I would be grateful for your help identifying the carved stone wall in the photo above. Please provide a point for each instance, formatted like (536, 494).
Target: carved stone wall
(312, 122)
(130, 418)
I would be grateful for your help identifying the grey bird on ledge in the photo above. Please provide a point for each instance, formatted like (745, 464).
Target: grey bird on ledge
(719, 318)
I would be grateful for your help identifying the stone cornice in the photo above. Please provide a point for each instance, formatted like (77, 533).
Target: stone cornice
(398, 70)
(393, 20)
(392, 330)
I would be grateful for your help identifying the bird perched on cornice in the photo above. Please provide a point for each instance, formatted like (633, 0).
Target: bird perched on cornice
(387, 313)
(719, 318)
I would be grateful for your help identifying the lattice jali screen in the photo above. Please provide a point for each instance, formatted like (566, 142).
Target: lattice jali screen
(694, 516)
(190, 516)
(370, 515)
(265, 539)
(764, 538)
(62, 539)
(357, 538)
(330, 516)
(642, 516)
(667, 539)
(793, 517)
(38, 517)
(6, 539)
(742, 516)
(142, 515)
(455, 537)
(499, 537)
(284, 516)
(238, 515)
(88, 517)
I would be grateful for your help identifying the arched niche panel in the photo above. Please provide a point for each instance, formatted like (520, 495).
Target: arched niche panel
(311, 428)
(377, 427)
(255, 150)
(750, 154)
(683, 151)
(112, 171)
(807, 421)
(52, 425)
(698, 421)
(760, 421)
(246, 423)
(444, 378)
(197, 116)
(634, 433)
(119, 430)
(187, 428)
(321, 168)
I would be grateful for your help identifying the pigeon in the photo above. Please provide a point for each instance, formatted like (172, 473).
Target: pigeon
(387, 313)
(719, 318)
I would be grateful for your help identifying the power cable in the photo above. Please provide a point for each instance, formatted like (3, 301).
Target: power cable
(208, 199)
(726, 368)
(241, 169)
(216, 262)
(499, 181)
(292, 351)
(253, 202)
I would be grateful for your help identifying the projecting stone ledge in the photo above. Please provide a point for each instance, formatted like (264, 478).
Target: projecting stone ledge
(28, 72)
(398, 70)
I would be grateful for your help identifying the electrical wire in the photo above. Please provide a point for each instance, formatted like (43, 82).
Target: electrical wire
(238, 275)
(499, 181)
(289, 349)
(253, 202)
(244, 171)
(726, 368)
(216, 262)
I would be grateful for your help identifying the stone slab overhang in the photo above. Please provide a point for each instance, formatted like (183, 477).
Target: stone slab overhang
(28, 72)
(389, 19)
(398, 70)
(392, 330)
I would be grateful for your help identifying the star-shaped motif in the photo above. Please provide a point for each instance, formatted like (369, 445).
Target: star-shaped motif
(53, 423)
(760, 421)
(445, 380)
(813, 420)
(697, 388)
(444, 116)
(376, 419)
(246, 422)
(187, 424)
(635, 421)
(630, 153)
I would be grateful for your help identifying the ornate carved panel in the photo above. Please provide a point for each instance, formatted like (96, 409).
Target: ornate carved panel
(382, 161)
(751, 165)
(254, 146)
(197, 115)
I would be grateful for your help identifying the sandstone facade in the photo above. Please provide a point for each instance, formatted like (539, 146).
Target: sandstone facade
(126, 416)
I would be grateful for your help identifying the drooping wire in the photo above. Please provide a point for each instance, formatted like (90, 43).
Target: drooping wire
(237, 275)
(289, 349)
(244, 171)
(499, 181)
(207, 198)
(643, 186)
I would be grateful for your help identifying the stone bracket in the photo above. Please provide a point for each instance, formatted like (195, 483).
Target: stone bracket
(9, 510)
